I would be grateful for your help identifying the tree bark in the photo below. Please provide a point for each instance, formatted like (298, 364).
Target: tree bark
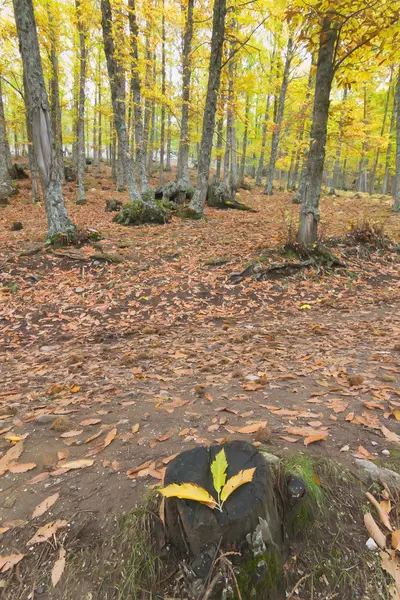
(244, 143)
(396, 205)
(302, 130)
(260, 167)
(386, 177)
(31, 154)
(183, 156)
(378, 152)
(336, 168)
(100, 140)
(55, 105)
(309, 213)
(277, 126)
(214, 78)
(6, 188)
(117, 85)
(42, 132)
(162, 133)
(81, 160)
(137, 97)
(363, 166)
(220, 129)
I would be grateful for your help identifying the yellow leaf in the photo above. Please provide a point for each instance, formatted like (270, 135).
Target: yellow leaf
(396, 539)
(318, 437)
(189, 491)
(236, 481)
(11, 437)
(218, 470)
(306, 306)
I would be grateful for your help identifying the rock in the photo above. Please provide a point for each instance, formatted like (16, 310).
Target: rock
(371, 472)
(18, 172)
(386, 452)
(252, 377)
(113, 205)
(17, 226)
(48, 348)
(79, 290)
(270, 458)
(371, 544)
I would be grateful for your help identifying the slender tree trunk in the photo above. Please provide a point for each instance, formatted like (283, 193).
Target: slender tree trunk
(55, 105)
(6, 188)
(183, 153)
(214, 77)
(336, 168)
(309, 213)
(95, 117)
(299, 155)
(117, 85)
(113, 149)
(4, 145)
(120, 170)
(363, 165)
(260, 167)
(396, 205)
(169, 142)
(220, 129)
(162, 133)
(244, 143)
(231, 141)
(137, 97)
(42, 133)
(386, 177)
(147, 102)
(378, 151)
(150, 158)
(279, 117)
(100, 140)
(81, 161)
(31, 154)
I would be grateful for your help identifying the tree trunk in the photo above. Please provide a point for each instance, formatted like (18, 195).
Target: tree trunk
(31, 154)
(117, 85)
(260, 168)
(183, 157)
(396, 205)
(214, 77)
(55, 105)
(277, 126)
(6, 188)
(137, 97)
(309, 213)
(120, 170)
(244, 143)
(100, 140)
(297, 197)
(232, 145)
(4, 145)
(169, 142)
(220, 129)
(363, 166)
(162, 132)
(336, 168)
(95, 118)
(42, 133)
(386, 177)
(378, 152)
(81, 161)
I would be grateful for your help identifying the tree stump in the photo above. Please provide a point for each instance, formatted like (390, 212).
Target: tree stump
(219, 195)
(192, 526)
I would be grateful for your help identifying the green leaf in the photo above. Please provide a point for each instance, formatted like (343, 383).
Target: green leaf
(218, 470)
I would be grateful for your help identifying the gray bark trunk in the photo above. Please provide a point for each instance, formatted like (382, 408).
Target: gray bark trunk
(120, 170)
(260, 167)
(244, 143)
(81, 161)
(5, 179)
(137, 97)
(396, 205)
(100, 140)
(386, 177)
(214, 78)
(147, 103)
(169, 142)
(117, 85)
(363, 166)
(183, 157)
(31, 154)
(309, 213)
(162, 133)
(279, 117)
(55, 105)
(42, 133)
(5, 146)
(220, 129)
(336, 168)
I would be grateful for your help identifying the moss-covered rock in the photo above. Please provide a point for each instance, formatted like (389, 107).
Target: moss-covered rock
(140, 213)
(261, 577)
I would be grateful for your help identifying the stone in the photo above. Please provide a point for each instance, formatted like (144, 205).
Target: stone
(45, 419)
(371, 472)
(17, 226)
(270, 458)
(79, 290)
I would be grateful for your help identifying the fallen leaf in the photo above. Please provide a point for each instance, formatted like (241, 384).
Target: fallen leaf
(45, 532)
(21, 468)
(45, 505)
(69, 434)
(374, 530)
(396, 539)
(135, 428)
(289, 438)
(189, 491)
(383, 515)
(317, 437)
(8, 562)
(253, 428)
(88, 422)
(390, 435)
(39, 478)
(58, 568)
(364, 453)
(77, 464)
(11, 456)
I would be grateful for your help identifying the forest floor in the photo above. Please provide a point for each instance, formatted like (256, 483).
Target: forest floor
(123, 364)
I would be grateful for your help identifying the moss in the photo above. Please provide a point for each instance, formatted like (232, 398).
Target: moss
(108, 257)
(190, 214)
(261, 577)
(60, 240)
(140, 213)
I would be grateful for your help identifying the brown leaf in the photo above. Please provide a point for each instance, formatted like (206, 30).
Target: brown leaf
(383, 515)
(364, 453)
(21, 468)
(374, 530)
(132, 472)
(76, 464)
(45, 532)
(11, 456)
(390, 435)
(88, 422)
(38, 478)
(8, 562)
(58, 568)
(69, 434)
(289, 438)
(396, 539)
(338, 405)
(316, 437)
(253, 428)
(135, 428)
(45, 505)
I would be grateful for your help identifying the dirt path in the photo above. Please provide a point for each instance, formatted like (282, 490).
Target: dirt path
(160, 352)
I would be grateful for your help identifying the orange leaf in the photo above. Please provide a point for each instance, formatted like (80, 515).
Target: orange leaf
(22, 468)
(316, 437)
(45, 505)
